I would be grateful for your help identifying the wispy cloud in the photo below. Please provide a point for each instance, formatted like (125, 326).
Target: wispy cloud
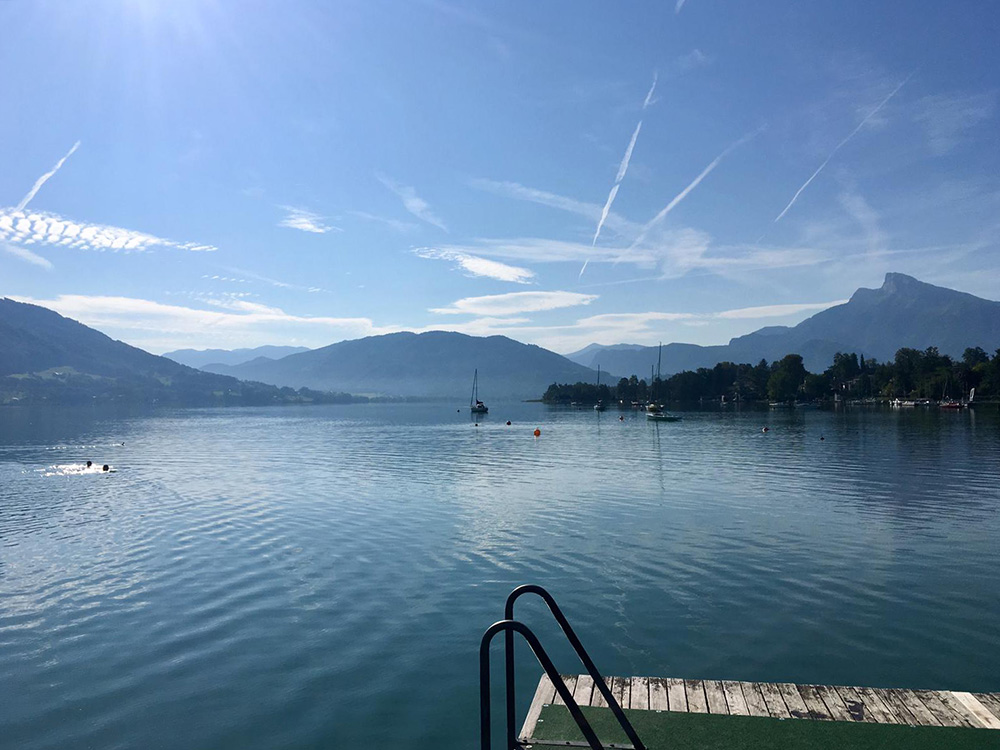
(413, 202)
(44, 178)
(28, 256)
(840, 145)
(403, 227)
(866, 216)
(42, 228)
(515, 303)
(687, 190)
(590, 211)
(477, 266)
(774, 311)
(678, 6)
(160, 327)
(947, 118)
(305, 221)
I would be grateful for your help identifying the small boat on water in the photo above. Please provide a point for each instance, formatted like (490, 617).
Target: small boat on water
(654, 410)
(662, 416)
(475, 405)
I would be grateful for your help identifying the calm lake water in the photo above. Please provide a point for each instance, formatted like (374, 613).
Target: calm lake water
(321, 577)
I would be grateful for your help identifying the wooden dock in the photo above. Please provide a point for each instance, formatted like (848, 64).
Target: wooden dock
(942, 708)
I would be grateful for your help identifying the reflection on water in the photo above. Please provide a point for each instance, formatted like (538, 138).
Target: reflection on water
(321, 576)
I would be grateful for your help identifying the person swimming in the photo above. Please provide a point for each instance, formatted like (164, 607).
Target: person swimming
(105, 468)
(89, 464)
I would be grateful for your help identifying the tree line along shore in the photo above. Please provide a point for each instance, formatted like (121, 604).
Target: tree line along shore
(912, 374)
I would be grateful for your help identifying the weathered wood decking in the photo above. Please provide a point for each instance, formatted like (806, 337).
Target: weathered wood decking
(779, 700)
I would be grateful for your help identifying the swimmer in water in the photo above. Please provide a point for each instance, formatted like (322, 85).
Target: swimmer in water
(621, 419)
(508, 423)
(105, 468)
(89, 464)
(766, 429)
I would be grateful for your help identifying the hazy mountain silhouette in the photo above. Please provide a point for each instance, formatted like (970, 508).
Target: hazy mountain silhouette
(46, 356)
(201, 357)
(903, 312)
(437, 363)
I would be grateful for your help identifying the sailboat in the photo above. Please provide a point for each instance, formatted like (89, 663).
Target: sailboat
(654, 411)
(599, 406)
(475, 405)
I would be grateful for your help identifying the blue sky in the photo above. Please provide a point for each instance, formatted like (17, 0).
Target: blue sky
(303, 172)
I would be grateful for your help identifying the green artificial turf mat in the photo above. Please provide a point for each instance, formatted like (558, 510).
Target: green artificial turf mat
(668, 730)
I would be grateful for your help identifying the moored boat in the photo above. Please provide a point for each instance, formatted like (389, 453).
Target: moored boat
(475, 405)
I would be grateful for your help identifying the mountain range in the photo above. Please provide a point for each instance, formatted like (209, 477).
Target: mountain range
(44, 356)
(202, 357)
(903, 312)
(435, 364)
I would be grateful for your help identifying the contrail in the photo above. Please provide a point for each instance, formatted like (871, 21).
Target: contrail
(691, 186)
(840, 146)
(649, 96)
(622, 170)
(42, 180)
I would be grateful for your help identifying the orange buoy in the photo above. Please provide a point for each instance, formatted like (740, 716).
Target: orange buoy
(537, 432)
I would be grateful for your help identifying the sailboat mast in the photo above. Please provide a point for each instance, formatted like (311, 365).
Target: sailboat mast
(475, 387)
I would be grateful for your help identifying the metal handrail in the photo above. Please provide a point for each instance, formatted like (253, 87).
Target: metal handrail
(581, 652)
(510, 627)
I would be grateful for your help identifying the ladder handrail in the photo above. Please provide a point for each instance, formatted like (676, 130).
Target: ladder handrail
(510, 627)
(581, 652)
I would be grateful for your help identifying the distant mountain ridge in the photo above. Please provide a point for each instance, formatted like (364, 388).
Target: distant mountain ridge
(903, 312)
(201, 357)
(436, 363)
(44, 356)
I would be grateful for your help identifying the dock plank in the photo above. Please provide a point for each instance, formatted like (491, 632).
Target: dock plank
(621, 689)
(716, 697)
(901, 713)
(855, 705)
(834, 703)
(755, 701)
(775, 703)
(676, 695)
(597, 698)
(977, 709)
(736, 703)
(948, 698)
(569, 681)
(658, 695)
(916, 707)
(544, 694)
(639, 697)
(583, 690)
(991, 701)
(793, 701)
(815, 707)
(875, 706)
(695, 691)
(943, 713)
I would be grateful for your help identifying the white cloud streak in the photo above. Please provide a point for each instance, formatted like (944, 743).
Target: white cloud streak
(687, 190)
(42, 228)
(28, 256)
(678, 6)
(160, 327)
(515, 303)
(477, 266)
(839, 146)
(622, 171)
(413, 202)
(649, 95)
(305, 221)
(44, 178)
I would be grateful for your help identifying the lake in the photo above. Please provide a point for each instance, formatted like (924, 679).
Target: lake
(321, 576)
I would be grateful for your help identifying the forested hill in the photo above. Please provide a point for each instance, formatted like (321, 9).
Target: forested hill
(902, 313)
(46, 357)
(437, 363)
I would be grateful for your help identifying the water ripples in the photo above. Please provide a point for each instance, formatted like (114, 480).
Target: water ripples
(321, 576)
